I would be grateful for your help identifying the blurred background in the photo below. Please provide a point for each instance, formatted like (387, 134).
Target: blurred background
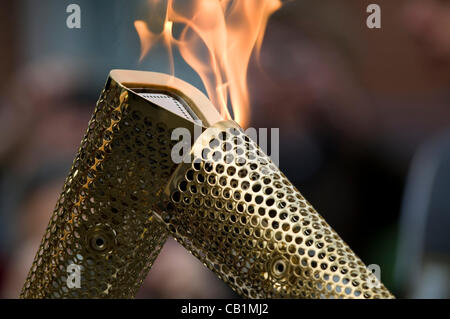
(364, 118)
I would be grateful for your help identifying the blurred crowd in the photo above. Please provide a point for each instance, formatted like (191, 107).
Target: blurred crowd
(364, 118)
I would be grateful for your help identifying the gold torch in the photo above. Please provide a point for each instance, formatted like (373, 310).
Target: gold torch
(227, 203)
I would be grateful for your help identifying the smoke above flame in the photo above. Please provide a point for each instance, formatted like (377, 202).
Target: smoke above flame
(217, 40)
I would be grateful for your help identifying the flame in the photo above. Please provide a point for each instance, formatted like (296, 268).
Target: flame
(217, 41)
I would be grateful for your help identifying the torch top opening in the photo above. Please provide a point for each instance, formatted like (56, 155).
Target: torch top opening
(198, 103)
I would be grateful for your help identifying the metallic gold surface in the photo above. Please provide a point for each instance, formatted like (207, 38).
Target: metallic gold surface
(200, 104)
(102, 220)
(231, 207)
(236, 212)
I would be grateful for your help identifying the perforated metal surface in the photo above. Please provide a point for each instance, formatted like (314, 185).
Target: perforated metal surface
(102, 220)
(235, 211)
(231, 207)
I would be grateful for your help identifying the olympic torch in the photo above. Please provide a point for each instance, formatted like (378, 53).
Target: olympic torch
(225, 202)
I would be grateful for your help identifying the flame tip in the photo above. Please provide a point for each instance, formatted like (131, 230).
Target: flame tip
(230, 31)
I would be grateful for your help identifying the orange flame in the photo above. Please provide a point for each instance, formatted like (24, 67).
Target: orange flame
(217, 41)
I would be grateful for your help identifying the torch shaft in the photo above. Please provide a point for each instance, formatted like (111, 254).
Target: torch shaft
(103, 225)
(230, 206)
(234, 210)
